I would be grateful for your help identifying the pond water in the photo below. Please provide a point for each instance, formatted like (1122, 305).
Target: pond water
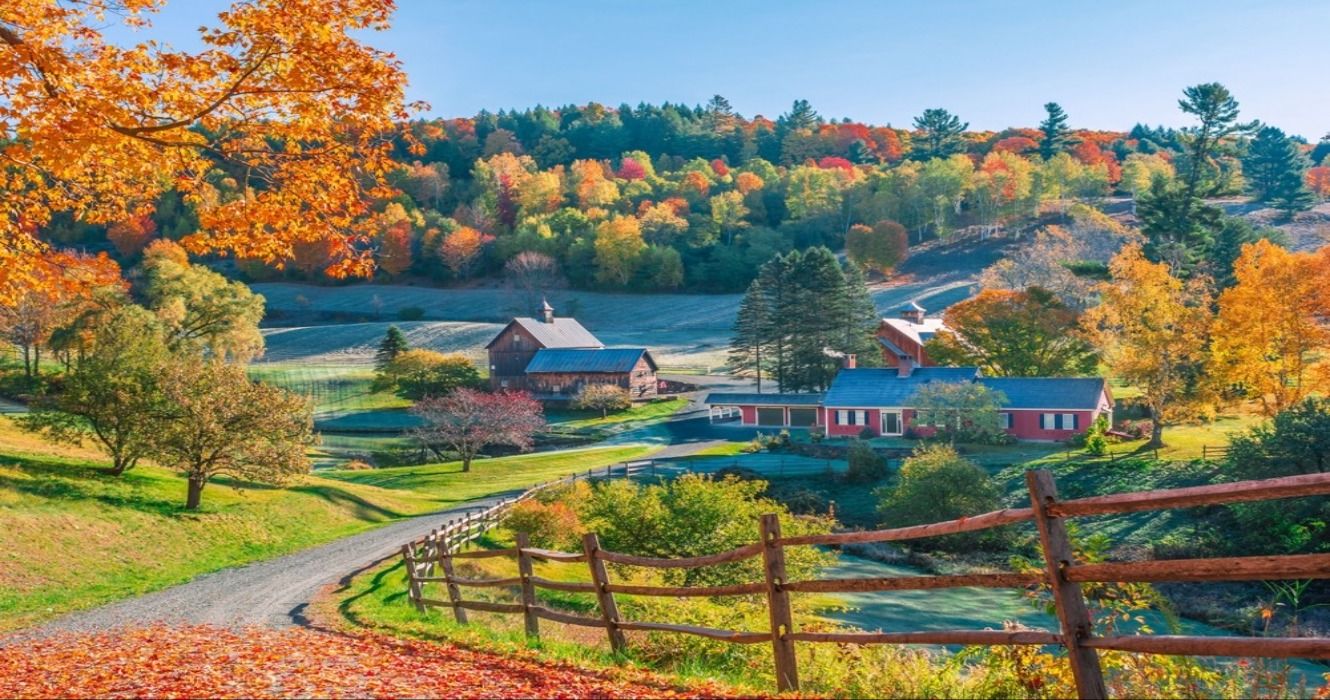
(972, 609)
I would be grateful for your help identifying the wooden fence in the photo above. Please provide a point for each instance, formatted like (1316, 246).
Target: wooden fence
(1061, 573)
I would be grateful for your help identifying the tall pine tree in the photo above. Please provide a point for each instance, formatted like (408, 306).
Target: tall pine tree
(393, 344)
(750, 333)
(1274, 170)
(1057, 137)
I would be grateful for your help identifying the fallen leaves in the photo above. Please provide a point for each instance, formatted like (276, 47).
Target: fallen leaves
(184, 662)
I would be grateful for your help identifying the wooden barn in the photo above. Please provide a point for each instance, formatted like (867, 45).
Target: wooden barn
(553, 358)
(902, 338)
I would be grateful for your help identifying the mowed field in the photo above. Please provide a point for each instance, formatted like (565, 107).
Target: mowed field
(685, 332)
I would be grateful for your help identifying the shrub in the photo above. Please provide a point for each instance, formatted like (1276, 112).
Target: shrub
(357, 465)
(420, 373)
(410, 313)
(602, 398)
(550, 525)
(866, 465)
(937, 484)
(867, 433)
(1096, 440)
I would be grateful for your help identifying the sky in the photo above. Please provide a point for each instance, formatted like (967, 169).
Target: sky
(1109, 64)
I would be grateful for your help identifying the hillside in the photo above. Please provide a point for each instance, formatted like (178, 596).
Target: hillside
(77, 538)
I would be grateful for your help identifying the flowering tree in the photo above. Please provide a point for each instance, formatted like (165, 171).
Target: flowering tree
(466, 421)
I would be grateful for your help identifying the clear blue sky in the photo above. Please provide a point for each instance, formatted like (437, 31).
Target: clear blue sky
(1110, 64)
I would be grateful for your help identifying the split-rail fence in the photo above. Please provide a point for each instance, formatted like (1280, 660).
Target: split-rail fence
(431, 561)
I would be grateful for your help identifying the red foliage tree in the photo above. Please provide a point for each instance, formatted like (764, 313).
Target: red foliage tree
(1318, 181)
(466, 421)
(1016, 144)
(130, 236)
(630, 169)
(395, 248)
(719, 167)
(830, 162)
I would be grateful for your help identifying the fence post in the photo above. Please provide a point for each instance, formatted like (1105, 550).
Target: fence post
(413, 587)
(609, 610)
(778, 605)
(454, 593)
(524, 569)
(1067, 598)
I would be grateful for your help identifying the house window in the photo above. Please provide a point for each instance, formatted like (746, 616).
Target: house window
(503, 383)
(1057, 421)
(845, 417)
(1004, 420)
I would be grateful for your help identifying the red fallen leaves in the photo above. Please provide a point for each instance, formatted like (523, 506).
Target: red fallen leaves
(191, 662)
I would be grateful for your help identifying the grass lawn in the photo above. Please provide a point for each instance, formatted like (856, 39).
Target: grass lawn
(336, 388)
(651, 411)
(76, 538)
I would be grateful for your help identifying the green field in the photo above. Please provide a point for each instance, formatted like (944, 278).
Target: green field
(76, 538)
(642, 413)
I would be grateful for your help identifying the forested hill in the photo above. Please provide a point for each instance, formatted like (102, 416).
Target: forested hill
(670, 197)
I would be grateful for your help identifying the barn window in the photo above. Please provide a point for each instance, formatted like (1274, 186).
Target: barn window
(1004, 419)
(1057, 421)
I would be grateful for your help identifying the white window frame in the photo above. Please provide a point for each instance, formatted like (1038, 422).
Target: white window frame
(1005, 420)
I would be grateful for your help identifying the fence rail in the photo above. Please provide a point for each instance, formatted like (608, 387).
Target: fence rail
(1061, 573)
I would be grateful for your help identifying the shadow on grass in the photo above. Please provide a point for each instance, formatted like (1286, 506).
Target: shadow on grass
(55, 478)
(364, 509)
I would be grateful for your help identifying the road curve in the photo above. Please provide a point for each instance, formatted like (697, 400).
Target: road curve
(271, 593)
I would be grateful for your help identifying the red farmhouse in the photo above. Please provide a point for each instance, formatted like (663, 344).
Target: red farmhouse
(880, 401)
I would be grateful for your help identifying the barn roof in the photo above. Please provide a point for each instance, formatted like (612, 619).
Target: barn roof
(559, 333)
(720, 398)
(918, 332)
(587, 360)
(1049, 392)
(874, 386)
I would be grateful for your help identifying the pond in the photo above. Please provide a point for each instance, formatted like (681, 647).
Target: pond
(972, 609)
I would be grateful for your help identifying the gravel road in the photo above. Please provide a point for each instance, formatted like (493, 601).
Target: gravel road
(272, 593)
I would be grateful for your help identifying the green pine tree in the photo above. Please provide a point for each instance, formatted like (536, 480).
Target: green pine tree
(942, 134)
(1057, 137)
(751, 326)
(1274, 169)
(393, 344)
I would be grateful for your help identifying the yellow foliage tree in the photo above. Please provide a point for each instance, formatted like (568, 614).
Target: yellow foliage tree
(618, 245)
(1271, 327)
(1152, 330)
(284, 101)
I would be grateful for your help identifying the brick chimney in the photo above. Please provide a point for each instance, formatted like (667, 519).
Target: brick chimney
(546, 311)
(905, 368)
(849, 361)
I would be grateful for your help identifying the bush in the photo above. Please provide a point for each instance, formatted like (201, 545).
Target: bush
(937, 484)
(602, 398)
(410, 313)
(420, 373)
(867, 434)
(550, 525)
(1096, 440)
(866, 465)
(357, 465)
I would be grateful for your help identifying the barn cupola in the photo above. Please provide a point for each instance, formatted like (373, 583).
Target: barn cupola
(912, 312)
(546, 311)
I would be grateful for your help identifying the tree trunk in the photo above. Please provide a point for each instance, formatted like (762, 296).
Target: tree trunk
(119, 465)
(1156, 434)
(195, 496)
(466, 462)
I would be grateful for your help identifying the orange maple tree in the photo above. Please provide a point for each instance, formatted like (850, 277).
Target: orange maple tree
(277, 131)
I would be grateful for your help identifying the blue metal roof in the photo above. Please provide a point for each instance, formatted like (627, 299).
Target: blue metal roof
(734, 399)
(873, 386)
(593, 360)
(1048, 392)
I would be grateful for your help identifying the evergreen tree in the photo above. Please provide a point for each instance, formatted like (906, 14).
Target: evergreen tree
(1057, 137)
(1178, 230)
(720, 115)
(393, 344)
(751, 326)
(1274, 169)
(942, 134)
(801, 116)
(1235, 232)
(859, 318)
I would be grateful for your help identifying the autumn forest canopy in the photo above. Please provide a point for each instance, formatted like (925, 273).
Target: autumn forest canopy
(288, 151)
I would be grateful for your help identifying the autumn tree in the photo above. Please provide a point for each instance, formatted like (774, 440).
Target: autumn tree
(466, 421)
(395, 248)
(1271, 330)
(602, 398)
(62, 286)
(462, 248)
(1153, 331)
(112, 395)
(131, 236)
(880, 248)
(201, 310)
(273, 130)
(618, 244)
(1318, 181)
(217, 422)
(1028, 333)
(418, 373)
(533, 274)
(935, 483)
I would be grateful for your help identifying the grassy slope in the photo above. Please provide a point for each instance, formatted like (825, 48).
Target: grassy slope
(650, 411)
(76, 538)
